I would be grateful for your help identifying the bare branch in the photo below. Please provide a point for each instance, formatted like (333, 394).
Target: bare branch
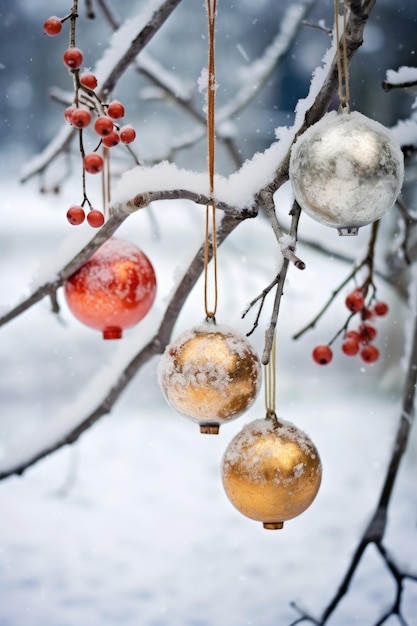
(387, 86)
(368, 261)
(375, 531)
(139, 42)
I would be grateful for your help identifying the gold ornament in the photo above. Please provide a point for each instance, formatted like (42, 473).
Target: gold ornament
(271, 471)
(210, 375)
(346, 171)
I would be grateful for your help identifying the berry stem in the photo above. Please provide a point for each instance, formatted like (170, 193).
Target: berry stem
(83, 176)
(367, 261)
(66, 17)
(105, 180)
(73, 17)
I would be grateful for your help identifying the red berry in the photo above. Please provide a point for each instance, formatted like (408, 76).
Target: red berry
(355, 301)
(127, 134)
(370, 354)
(75, 215)
(95, 218)
(367, 314)
(350, 347)
(52, 26)
(80, 118)
(353, 335)
(93, 163)
(73, 58)
(111, 140)
(381, 308)
(103, 126)
(68, 113)
(89, 80)
(115, 110)
(322, 354)
(367, 332)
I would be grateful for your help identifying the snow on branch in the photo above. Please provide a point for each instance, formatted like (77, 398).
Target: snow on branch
(400, 79)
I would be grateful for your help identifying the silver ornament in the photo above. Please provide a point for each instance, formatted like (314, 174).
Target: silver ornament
(346, 171)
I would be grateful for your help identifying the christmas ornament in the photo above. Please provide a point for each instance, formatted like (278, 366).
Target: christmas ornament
(346, 171)
(114, 289)
(271, 471)
(210, 374)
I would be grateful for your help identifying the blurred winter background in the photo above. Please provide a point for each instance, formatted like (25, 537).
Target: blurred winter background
(130, 525)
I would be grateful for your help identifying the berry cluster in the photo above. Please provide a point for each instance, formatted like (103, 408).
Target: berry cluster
(80, 116)
(357, 341)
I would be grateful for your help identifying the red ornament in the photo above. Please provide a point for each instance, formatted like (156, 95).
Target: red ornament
(114, 289)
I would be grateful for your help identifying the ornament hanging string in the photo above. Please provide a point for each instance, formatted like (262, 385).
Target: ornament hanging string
(341, 56)
(211, 139)
(270, 384)
(105, 182)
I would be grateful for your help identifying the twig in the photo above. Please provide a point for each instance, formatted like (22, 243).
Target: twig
(367, 261)
(108, 13)
(289, 256)
(387, 86)
(138, 43)
(262, 298)
(270, 332)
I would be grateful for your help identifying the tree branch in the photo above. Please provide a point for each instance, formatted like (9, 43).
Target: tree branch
(155, 346)
(374, 532)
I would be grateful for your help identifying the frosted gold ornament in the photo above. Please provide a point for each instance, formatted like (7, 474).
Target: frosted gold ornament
(210, 374)
(271, 471)
(346, 171)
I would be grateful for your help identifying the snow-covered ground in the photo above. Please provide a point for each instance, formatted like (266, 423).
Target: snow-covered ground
(130, 526)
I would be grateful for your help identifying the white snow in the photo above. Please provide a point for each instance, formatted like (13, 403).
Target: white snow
(405, 132)
(404, 74)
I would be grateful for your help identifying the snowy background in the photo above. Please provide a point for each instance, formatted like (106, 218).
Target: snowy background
(130, 526)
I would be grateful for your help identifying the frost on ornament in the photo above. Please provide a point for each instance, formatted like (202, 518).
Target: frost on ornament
(346, 171)
(114, 289)
(271, 471)
(210, 374)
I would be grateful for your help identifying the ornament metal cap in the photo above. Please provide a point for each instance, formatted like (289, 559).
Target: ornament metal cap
(209, 429)
(273, 525)
(112, 332)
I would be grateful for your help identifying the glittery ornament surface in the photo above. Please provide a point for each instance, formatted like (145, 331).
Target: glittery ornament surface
(346, 171)
(114, 289)
(271, 471)
(210, 374)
